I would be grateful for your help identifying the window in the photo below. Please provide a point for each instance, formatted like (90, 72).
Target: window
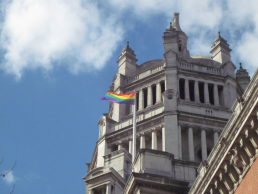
(182, 88)
(201, 92)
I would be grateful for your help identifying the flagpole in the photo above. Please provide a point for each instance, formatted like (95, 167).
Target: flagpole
(134, 129)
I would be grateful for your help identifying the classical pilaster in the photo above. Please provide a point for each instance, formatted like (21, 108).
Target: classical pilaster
(204, 144)
(149, 96)
(91, 191)
(187, 90)
(108, 188)
(206, 94)
(158, 92)
(196, 91)
(215, 136)
(140, 99)
(154, 139)
(179, 142)
(216, 95)
(190, 143)
(142, 141)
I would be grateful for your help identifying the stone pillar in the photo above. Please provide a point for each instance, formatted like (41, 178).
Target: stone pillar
(154, 139)
(206, 94)
(130, 145)
(91, 191)
(119, 145)
(179, 142)
(149, 96)
(158, 92)
(187, 90)
(163, 139)
(108, 188)
(204, 144)
(190, 143)
(196, 91)
(216, 95)
(140, 99)
(216, 136)
(142, 141)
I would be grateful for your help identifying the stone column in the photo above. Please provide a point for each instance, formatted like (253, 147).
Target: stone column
(216, 136)
(149, 96)
(206, 94)
(196, 91)
(140, 99)
(142, 141)
(130, 145)
(91, 191)
(204, 144)
(187, 90)
(216, 95)
(119, 145)
(179, 142)
(158, 92)
(154, 139)
(108, 188)
(163, 139)
(190, 143)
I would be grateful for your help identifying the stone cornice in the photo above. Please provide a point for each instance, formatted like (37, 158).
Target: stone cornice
(155, 182)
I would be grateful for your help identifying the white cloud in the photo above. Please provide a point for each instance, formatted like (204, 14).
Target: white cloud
(9, 178)
(202, 19)
(35, 34)
(83, 36)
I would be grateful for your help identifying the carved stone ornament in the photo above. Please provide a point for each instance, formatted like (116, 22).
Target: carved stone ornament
(169, 94)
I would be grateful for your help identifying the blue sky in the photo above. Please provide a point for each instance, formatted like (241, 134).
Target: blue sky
(58, 57)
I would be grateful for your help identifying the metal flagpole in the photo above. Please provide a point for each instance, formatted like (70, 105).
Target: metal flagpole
(134, 129)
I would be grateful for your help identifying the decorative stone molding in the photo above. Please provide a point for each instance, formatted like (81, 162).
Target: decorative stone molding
(169, 94)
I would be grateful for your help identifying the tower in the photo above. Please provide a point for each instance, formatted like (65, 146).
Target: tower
(183, 104)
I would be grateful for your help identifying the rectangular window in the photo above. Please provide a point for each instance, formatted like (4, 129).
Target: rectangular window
(153, 94)
(145, 98)
(201, 91)
(191, 90)
(182, 88)
(211, 93)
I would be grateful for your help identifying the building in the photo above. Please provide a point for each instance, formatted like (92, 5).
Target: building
(232, 166)
(184, 102)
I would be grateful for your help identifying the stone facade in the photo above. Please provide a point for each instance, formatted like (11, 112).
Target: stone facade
(183, 101)
(232, 164)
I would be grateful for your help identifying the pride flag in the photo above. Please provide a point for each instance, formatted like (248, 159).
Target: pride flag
(119, 98)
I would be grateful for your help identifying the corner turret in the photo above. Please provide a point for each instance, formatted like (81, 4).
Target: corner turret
(127, 62)
(220, 50)
(175, 39)
(242, 77)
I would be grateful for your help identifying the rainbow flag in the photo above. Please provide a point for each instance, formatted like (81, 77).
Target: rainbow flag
(119, 98)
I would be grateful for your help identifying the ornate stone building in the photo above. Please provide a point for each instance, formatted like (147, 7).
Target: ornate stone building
(232, 166)
(184, 102)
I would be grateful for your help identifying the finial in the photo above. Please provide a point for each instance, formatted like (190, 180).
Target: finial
(175, 24)
(219, 34)
(127, 44)
(240, 64)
